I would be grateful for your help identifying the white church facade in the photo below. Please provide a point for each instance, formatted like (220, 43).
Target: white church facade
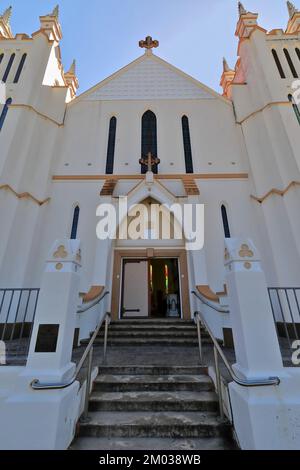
(151, 134)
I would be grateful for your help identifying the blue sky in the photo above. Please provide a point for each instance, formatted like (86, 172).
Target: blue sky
(103, 35)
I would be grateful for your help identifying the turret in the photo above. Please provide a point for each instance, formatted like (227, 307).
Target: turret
(247, 22)
(50, 25)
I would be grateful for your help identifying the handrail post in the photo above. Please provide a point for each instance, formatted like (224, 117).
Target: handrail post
(88, 385)
(199, 338)
(218, 382)
(107, 319)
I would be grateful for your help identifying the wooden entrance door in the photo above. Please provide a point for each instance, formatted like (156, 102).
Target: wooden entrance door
(135, 289)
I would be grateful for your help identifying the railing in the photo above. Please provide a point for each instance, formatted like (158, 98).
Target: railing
(218, 353)
(285, 303)
(210, 304)
(17, 314)
(87, 355)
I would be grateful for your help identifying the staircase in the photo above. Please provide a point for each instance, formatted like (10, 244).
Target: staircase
(149, 332)
(154, 406)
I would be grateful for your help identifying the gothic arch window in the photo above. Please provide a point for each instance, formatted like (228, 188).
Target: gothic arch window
(187, 145)
(75, 223)
(4, 112)
(20, 68)
(8, 67)
(111, 146)
(225, 221)
(278, 64)
(149, 138)
(295, 107)
(290, 62)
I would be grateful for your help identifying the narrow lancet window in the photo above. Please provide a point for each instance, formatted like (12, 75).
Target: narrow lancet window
(111, 146)
(8, 67)
(187, 145)
(20, 68)
(149, 139)
(225, 221)
(278, 64)
(290, 62)
(295, 107)
(4, 112)
(75, 223)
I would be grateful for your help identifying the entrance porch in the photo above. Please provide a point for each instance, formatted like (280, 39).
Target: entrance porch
(150, 283)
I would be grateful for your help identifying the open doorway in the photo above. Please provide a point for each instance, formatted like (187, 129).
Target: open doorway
(150, 288)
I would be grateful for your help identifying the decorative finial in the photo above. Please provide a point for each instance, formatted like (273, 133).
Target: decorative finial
(242, 10)
(226, 67)
(291, 9)
(55, 12)
(7, 15)
(72, 69)
(148, 43)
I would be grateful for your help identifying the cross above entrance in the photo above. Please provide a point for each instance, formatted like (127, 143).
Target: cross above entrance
(148, 43)
(149, 161)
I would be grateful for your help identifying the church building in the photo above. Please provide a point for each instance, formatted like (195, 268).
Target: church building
(148, 135)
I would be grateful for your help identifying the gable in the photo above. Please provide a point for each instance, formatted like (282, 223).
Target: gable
(149, 78)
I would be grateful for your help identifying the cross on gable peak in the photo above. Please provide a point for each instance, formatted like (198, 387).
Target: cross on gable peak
(148, 43)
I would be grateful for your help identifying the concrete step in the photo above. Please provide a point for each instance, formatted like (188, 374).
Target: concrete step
(129, 383)
(153, 327)
(153, 321)
(152, 370)
(150, 334)
(142, 443)
(154, 401)
(156, 424)
(151, 341)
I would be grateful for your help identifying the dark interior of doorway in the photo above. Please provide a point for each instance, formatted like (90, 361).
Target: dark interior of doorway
(164, 292)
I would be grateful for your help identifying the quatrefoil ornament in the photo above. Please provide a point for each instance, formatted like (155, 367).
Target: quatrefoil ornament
(245, 252)
(60, 252)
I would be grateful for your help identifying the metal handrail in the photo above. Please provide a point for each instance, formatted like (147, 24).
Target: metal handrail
(219, 353)
(91, 304)
(210, 304)
(88, 353)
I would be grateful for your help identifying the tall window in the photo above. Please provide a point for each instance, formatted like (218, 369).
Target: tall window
(111, 146)
(187, 145)
(295, 107)
(75, 223)
(277, 62)
(225, 221)
(149, 138)
(290, 62)
(20, 68)
(4, 112)
(8, 67)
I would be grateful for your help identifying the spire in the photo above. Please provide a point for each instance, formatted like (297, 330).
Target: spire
(226, 67)
(71, 80)
(226, 79)
(72, 69)
(55, 12)
(241, 8)
(5, 29)
(7, 15)
(291, 9)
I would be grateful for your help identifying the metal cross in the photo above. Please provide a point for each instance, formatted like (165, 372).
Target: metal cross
(149, 161)
(148, 43)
